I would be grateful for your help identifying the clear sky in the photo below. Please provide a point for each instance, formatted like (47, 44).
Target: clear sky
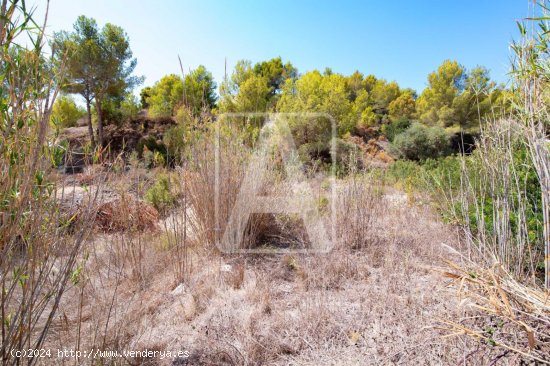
(395, 40)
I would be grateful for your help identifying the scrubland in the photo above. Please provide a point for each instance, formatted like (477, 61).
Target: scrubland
(113, 245)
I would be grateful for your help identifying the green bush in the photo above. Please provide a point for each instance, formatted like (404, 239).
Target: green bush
(401, 170)
(149, 147)
(164, 96)
(420, 142)
(110, 111)
(528, 191)
(57, 153)
(174, 140)
(161, 194)
(472, 196)
(395, 128)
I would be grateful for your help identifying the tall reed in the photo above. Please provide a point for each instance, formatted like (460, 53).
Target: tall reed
(38, 252)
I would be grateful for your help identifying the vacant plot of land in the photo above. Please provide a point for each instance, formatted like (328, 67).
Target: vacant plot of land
(380, 304)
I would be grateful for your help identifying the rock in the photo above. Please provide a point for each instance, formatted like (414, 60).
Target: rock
(179, 290)
(226, 268)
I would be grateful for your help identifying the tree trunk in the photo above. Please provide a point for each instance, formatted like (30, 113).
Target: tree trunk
(99, 122)
(90, 127)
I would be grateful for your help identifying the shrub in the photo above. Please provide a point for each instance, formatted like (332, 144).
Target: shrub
(111, 113)
(175, 138)
(348, 156)
(402, 169)
(38, 257)
(507, 192)
(164, 96)
(57, 153)
(161, 194)
(395, 128)
(143, 95)
(150, 149)
(420, 142)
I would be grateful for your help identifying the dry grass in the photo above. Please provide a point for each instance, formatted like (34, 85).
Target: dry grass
(238, 182)
(375, 302)
(503, 313)
(371, 300)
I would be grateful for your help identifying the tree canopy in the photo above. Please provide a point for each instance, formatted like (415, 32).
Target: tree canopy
(65, 112)
(98, 64)
(197, 90)
(267, 78)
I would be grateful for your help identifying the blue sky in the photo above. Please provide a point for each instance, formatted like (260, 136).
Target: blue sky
(395, 40)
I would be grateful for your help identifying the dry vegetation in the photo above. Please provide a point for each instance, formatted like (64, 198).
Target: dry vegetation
(377, 297)
(123, 256)
(373, 299)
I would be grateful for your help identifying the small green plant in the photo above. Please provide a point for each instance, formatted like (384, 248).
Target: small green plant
(57, 153)
(161, 194)
(153, 151)
(323, 204)
(158, 159)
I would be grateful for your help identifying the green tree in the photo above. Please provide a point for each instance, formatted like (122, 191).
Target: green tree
(314, 92)
(276, 73)
(165, 96)
(197, 90)
(98, 64)
(78, 52)
(65, 112)
(382, 94)
(457, 98)
(115, 74)
(369, 82)
(477, 98)
(200, 90)
(243, 70)
(269, 76)
(130, 106)
(435, 104)
(144, 94)
(403, 107)
(363, 112)
(229, 88)
(321, 93)
(253, 95)
(355, 85)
